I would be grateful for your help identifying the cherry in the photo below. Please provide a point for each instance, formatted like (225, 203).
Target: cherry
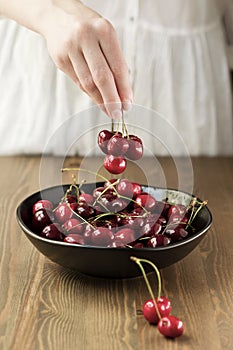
(138, 245)
(117, 205)
(42, 204)
(73, 226)
(171, 326)
(124, 236)
(52, 231)
(71, 199)
(135, 150)
(41, 218)
(149, 310)
(86, 197)
(158, 240)
(117, 145)
(102, 236)
(84, 210)
(103, 138)
(110, 183)
(125, 188)
(177, 209)
(146, 201)
(75, 239)
(63, 212)
(88, 229)
(137, 189)
(176, 233)
(97, 192)
(115, 165)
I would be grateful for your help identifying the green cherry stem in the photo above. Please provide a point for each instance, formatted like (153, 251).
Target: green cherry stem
(138, 261)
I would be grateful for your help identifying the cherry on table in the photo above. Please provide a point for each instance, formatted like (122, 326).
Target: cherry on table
(171, 326)
(149, 310)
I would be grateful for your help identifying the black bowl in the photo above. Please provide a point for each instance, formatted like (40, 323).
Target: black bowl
(111, 262)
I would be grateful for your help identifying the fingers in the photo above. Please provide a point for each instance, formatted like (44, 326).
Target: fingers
(103, 79)
(114, 57)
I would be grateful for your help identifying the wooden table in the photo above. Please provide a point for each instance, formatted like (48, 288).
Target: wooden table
(44, 306)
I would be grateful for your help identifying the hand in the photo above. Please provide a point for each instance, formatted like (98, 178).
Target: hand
(85, 46)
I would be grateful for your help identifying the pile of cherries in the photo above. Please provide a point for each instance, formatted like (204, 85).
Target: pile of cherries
(117, 213)
(118, 146)
(157, 310)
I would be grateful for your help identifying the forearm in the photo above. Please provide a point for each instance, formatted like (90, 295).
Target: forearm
(33, 14)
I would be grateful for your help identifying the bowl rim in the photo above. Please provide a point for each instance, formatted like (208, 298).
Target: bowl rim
(29, 232)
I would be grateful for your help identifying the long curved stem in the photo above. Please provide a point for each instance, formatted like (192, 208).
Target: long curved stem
(138, 262)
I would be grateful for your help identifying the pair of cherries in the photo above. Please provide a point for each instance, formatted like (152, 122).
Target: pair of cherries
(117, 148)
(157, 310)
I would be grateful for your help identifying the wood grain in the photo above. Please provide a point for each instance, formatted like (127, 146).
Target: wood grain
(44, 306)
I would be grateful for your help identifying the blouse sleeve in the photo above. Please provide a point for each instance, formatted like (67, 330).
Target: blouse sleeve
(228, 24)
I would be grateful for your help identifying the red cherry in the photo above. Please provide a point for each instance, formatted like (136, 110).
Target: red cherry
(84, 210)
(75, 239)
(135, 150)
(137, 189)
(177, 209)
(176, 233)
(103, 138)
(102, 236)
(171, 326)
(63, 212)
(146, 201)
(125, 188)
(73, 226)
(117, 205)
(71, 199)
(149, 311)
(117, 145)
(42, 204)
(115, 165)
(52, 231)
(158, 240)
(86, 197)
(124, 236)
(40, 219)
(109, 182)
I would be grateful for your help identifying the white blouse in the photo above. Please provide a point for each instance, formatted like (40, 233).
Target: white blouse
(179, 53)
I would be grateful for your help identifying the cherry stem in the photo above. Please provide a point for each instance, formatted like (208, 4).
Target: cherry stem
(80, 217)
(194, 213)
(139, 261)
(112, 126)
(105, 190)
(124, 128)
